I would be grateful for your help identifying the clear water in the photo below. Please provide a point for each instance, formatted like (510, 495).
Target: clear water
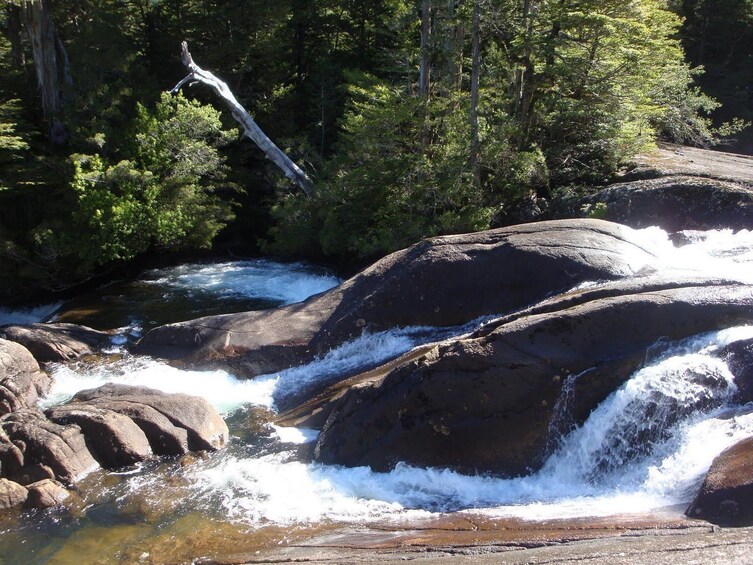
(194, 290)
(645, 447)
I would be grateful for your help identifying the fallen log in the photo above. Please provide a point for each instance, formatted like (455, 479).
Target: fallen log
(250, 128)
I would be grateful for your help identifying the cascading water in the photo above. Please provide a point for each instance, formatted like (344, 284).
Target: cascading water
(646, 446)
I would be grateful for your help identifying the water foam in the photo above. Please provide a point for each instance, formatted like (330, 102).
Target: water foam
(259, 278)
(28, 315)
(225, 392)
(647, 446)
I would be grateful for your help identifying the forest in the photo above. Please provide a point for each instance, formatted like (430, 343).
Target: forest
(412, 118)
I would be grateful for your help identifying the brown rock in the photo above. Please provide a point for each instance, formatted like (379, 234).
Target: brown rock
(112, 438)
(62, 448)
(676, 202)
(56, 342)
(46, 494)
(739, 358)
(726, 496)
(206, 430)
(21, 381)
(164, 437)
(444, 281)
(12, 494)
(486, 403)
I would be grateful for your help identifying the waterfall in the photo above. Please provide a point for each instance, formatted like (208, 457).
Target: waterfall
(646, 446)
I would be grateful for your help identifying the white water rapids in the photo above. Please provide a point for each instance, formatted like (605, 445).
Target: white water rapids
(646, 446)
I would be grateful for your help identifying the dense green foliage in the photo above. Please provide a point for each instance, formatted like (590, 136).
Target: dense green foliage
(564, 92)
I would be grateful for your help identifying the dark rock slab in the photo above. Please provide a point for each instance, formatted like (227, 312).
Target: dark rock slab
(113, 439)
(486, 403)
(675, 203)
(206, 430)
(56, 342)
(443, 281)
(61, 448)
(739, 358)
(21, 380)
(726, 496)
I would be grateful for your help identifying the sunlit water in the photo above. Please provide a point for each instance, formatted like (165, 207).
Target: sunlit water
(647, 446)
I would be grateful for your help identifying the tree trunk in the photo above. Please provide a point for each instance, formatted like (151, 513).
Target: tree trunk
(475, 79)
(46, 47)
(15, 35)
(250, 129)
(524, 80)
(424, 71)
(454, 49)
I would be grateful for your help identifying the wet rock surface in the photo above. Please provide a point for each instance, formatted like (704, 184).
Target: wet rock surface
(726, 496)
(674, 203)
(22, 382)
(443, 281)
(56, 342)
(205, 428)
(113, 426)
(485, 403)
(739, 358)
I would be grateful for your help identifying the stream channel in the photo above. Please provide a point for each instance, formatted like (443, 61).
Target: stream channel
(645, 448)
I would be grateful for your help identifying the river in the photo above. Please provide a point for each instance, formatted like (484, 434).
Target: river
(646, 447)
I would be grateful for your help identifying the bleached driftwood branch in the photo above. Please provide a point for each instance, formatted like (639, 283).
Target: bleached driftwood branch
(250, 128)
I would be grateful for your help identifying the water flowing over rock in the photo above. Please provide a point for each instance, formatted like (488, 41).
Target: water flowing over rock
(22, 383)
(444, 281)
(56, 342)
(486, 402)
(739, 358)
(726, 496)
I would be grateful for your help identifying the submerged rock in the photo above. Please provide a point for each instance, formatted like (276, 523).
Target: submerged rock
(22, 383)
(443, 281)
(56, 342)
(486, 403)
(726, 496)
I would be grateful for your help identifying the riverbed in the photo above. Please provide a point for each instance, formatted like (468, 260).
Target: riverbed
(629, 463)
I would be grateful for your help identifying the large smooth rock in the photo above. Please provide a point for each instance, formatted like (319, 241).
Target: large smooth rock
(56, 342)
(675, 203)
(726, 496)
(113, 439)
(164, 437)
(486, 403)
(41, 442)
(444, 281)
(21, 380)
(205, 428)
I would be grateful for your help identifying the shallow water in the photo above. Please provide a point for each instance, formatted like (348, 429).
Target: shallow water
(646, 447)
(194, 290)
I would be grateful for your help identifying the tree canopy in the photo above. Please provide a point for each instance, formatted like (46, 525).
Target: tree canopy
(413, 118)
